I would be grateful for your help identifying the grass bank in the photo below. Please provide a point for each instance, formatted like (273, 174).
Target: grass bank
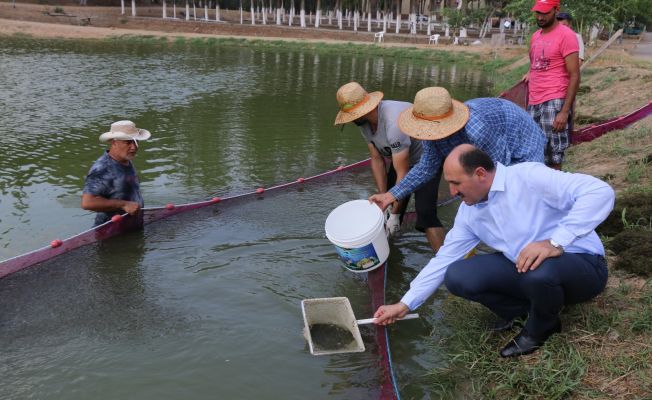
(605, 349)
(603, 353)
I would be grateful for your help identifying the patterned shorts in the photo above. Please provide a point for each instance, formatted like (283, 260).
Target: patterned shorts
(558, 141)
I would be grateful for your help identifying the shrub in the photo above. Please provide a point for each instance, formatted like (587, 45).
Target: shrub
(636, 260)
(630, 238)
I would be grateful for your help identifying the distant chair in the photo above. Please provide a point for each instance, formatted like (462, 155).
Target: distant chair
(380, 36)
(434, 39)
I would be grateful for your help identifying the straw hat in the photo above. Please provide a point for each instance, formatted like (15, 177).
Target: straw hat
(355, 102)
(125, 130)
(434, 115)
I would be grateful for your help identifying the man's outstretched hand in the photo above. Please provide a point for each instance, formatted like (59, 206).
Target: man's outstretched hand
(388, 314)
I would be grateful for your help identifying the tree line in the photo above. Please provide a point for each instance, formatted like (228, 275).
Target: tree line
(605, 14)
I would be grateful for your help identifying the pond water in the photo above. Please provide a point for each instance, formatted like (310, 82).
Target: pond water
(204, 304)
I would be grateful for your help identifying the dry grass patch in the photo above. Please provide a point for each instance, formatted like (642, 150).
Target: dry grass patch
(621, 158)
(614, 84)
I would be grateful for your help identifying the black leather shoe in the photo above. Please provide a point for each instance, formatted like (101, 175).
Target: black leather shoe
(523, 343)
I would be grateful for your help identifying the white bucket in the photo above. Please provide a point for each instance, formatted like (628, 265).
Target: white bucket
(357, 229)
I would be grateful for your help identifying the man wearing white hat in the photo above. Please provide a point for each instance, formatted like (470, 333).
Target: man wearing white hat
(112, 184)
(497, 126)
(377, 120)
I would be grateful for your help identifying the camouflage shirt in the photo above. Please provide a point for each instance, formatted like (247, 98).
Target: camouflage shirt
(110, 179)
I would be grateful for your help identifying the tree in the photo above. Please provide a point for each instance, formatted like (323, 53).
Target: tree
(455, 19)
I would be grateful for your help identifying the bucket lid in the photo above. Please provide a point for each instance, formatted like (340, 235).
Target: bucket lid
(354, 222)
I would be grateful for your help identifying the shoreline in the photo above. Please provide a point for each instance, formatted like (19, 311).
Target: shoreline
(91, 22)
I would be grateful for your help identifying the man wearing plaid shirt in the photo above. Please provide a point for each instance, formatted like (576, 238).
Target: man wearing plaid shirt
(499, 127)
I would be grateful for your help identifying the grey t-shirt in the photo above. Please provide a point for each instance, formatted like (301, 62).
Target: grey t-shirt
(389, 139)
(110, 179)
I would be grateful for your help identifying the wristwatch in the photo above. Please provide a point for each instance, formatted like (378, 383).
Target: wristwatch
(556, 245)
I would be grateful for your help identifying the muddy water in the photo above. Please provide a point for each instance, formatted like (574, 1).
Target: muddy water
(206, 304)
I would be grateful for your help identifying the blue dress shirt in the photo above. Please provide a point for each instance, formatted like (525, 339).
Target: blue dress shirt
(527, 202)
(499, 127)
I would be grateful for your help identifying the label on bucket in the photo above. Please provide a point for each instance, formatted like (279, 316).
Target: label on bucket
(359, 258)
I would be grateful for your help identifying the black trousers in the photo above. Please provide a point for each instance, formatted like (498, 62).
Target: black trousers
(492, 280)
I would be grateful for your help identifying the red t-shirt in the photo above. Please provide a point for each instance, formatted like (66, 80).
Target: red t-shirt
(548, 76)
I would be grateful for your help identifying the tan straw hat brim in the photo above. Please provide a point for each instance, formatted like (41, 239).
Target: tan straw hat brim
(364, 109)
(437, 129)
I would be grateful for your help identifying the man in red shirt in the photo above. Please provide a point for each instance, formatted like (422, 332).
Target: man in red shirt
(554, 77)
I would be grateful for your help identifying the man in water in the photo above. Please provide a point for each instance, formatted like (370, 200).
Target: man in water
(112, 184)
(377, 119)
(542, 223)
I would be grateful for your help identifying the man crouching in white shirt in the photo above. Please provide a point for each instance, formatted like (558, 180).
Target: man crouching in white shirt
(541, 222)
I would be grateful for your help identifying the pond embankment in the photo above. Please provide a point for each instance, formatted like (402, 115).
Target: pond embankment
(606, 348)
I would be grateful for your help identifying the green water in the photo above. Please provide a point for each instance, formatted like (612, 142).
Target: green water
(205, 304)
